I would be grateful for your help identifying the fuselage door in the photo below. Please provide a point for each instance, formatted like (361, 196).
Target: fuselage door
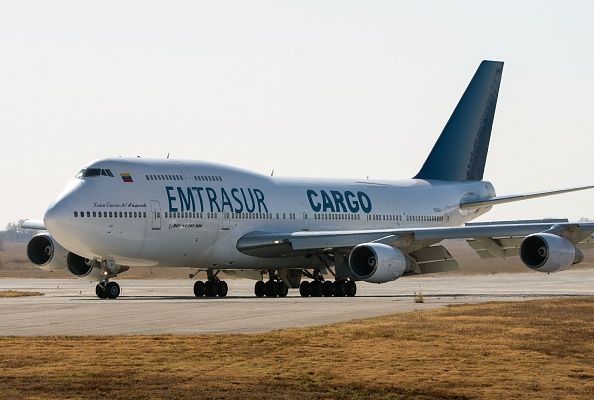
(226, 218)
(155, 215)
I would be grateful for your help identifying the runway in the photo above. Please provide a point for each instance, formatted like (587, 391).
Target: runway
(147, 307)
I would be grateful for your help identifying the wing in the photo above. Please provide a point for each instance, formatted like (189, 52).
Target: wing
(490, 240)
(472, 203)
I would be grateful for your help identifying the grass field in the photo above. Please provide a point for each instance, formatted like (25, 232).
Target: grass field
(541, 349)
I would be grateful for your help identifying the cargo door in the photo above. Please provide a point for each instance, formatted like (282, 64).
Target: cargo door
(155, 215)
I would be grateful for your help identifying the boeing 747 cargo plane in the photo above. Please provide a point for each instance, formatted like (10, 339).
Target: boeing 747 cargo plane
(318, 235)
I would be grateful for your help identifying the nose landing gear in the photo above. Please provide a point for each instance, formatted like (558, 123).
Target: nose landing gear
(107, 290)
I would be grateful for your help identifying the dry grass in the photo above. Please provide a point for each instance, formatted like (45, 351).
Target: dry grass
(13, 293)
(526, 350)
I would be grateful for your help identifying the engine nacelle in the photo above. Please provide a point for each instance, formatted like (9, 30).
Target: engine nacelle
(46, 253)
(378, 263)
(545, 252)
(82, 267)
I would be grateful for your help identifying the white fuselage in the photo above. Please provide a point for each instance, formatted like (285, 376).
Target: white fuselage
(161, 212)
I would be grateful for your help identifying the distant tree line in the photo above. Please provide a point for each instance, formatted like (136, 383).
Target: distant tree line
(14, 232)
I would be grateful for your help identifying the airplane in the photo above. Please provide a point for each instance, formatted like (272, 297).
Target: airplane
(321, 236)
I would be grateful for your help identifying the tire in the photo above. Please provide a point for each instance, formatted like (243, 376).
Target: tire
(100, 292)
(283, 289)
(327, 289)
(271, 289)
(199, 289)
(315, 289)
(339, 288)
(112, 290)
(351, 288)
(304, 289)
(260, 289)
(223, 288)
(211, 289)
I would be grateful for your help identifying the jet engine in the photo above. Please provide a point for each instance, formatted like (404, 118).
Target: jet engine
(378, 263)
(82, 267)
(46, 253)
(545, 252)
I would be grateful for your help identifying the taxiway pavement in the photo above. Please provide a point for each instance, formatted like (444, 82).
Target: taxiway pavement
(147, 307)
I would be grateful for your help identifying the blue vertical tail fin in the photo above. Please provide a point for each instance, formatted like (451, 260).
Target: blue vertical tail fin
(460, 152)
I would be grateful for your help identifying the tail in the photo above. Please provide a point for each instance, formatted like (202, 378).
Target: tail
(460, 152)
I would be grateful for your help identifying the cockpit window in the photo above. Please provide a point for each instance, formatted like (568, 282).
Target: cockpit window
(92, 172)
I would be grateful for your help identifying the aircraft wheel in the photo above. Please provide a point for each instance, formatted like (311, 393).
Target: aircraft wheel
(271, 289)
(283, 289)
(199, 289)
(211, 289)
(112, 290)
(339, 288)
(260, 289)
(315, 289)
(351, 288)
(100, 292)
(327, 288)
(304, 289)
(223, 288)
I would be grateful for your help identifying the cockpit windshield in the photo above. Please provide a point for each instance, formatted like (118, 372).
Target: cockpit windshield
(93, 172)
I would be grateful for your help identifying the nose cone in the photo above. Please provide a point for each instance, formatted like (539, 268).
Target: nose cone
(59, 216)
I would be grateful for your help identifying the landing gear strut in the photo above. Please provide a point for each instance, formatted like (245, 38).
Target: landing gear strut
(274, 287)
(212, 287)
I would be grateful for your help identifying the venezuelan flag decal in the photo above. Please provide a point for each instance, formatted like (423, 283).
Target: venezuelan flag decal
(126, 177)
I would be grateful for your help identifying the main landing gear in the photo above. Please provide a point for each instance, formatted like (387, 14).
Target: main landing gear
(274, 287)
(213, 287)
(107, 290)
(318, 288)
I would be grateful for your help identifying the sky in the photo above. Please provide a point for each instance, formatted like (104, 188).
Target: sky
(346, 89)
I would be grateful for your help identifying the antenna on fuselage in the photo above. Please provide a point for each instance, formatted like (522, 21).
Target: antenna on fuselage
(272, 173)
(167, 155)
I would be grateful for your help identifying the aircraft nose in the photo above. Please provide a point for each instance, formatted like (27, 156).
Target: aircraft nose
(58, 217)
